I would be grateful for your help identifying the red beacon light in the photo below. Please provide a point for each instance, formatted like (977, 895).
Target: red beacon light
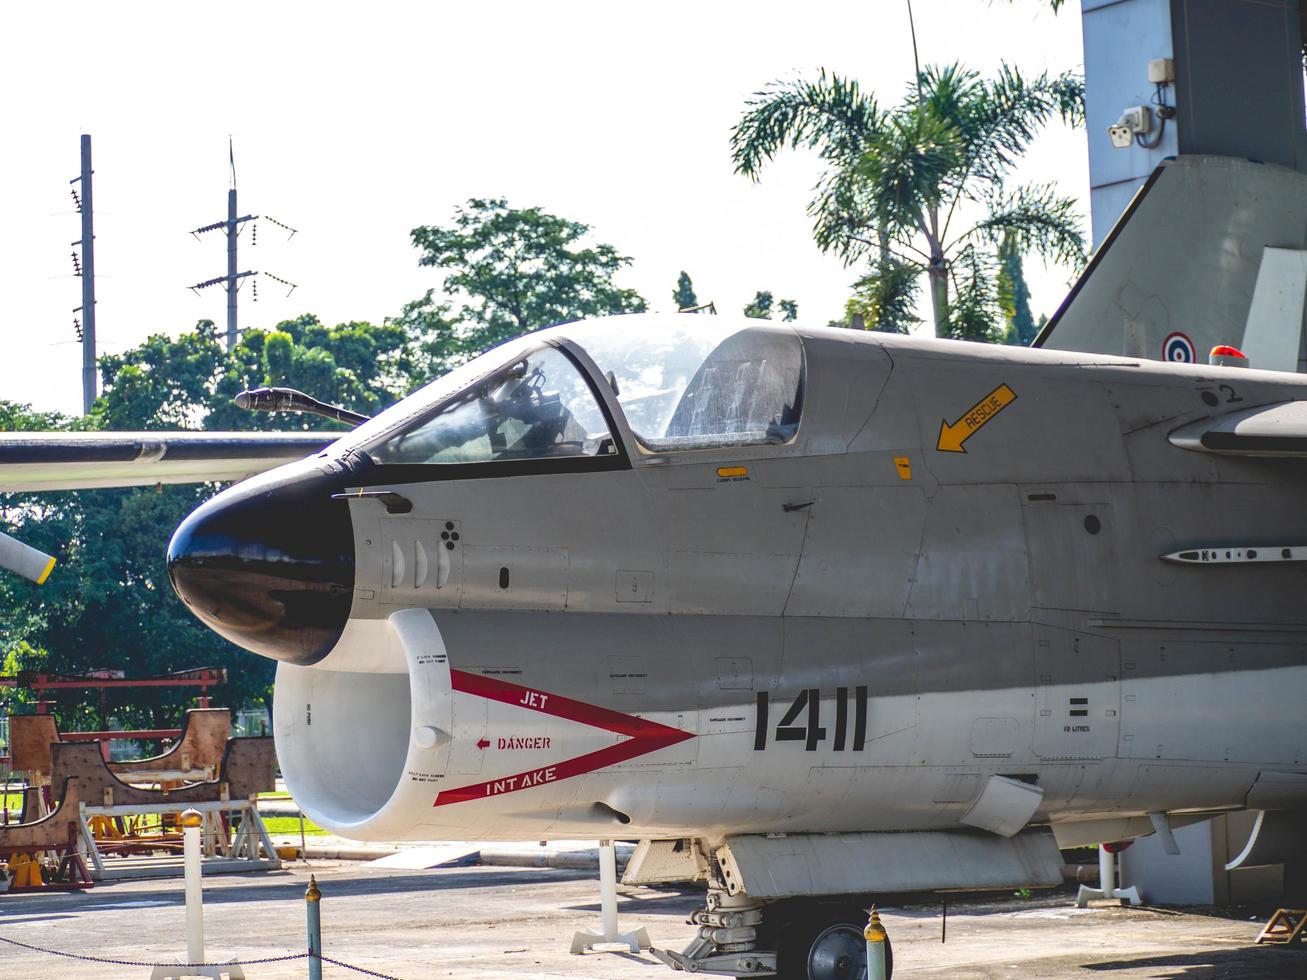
(1223, 355)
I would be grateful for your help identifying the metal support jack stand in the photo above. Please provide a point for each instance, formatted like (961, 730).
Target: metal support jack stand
(588, 941)
(1107, 883)
(248, 848)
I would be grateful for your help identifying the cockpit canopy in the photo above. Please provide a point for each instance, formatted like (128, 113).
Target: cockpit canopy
(535, 407)
(683, 383)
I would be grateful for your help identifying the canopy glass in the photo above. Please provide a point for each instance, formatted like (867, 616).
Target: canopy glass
(683, 383)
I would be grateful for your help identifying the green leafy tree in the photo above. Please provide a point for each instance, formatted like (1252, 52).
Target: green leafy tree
(883, 299)
(897, 183)
(519, 270)
(22, 617)
(110, 603)
(832, 116)
(1014, 295)
(434, 342)
(975, 309)
(760, 308)
(684, 296)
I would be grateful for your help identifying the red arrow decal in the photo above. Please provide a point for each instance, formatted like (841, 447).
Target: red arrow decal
(483, 744)
(643, 736)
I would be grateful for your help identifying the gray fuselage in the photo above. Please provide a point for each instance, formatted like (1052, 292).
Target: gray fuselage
(850, 632)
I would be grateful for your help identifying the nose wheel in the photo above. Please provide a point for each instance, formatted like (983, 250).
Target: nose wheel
(827, 947)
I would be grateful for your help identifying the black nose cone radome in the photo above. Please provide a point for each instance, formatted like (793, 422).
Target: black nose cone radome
(270, 565)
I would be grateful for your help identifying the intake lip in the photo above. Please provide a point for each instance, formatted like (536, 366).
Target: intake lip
(269, 563)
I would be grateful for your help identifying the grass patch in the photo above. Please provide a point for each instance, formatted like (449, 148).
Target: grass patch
(290, 825)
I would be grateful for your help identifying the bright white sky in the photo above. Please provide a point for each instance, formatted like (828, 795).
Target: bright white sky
(354, 123)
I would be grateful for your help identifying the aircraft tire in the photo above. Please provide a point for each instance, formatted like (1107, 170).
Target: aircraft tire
(826, 945)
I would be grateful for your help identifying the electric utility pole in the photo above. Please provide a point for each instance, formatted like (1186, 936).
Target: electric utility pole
(86, 327)
(232, 228)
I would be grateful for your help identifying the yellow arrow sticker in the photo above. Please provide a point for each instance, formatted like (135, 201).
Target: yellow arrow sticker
(951, 437)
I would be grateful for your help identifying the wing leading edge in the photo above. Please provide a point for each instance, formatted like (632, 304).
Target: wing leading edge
(32, 461)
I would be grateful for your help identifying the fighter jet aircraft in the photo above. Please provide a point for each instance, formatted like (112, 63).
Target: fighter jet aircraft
(814, 614)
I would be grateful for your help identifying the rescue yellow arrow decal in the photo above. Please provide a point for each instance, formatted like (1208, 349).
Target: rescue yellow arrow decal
(951, 437)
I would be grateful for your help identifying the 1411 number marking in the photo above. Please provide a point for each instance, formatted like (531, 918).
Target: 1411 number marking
(801, 722)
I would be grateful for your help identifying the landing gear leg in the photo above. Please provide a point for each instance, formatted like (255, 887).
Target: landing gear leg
(727, 943)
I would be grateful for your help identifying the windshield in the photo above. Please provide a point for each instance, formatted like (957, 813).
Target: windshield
(694, 382)
(538, 406)
(683, 382)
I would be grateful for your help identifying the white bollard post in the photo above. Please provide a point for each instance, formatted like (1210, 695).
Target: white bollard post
(191, 844)
(1107, 872)
(608, 890)
(587, 940)
(1107, 886)
(192, 822)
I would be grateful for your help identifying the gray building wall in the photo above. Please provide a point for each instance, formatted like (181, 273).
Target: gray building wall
(1197, 875)
(1238, 89)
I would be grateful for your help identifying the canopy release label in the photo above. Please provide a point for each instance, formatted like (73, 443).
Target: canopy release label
(952, 437)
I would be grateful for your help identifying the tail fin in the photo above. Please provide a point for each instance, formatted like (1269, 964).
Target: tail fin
(1212, 250)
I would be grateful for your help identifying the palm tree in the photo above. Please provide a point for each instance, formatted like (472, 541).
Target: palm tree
(833, 116)
(897, 182)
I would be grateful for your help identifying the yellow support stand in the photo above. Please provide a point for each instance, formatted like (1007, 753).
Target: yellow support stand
(104, 829)
(25, 872)
(1284, 927)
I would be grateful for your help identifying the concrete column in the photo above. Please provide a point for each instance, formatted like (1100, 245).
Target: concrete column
(1238, 87)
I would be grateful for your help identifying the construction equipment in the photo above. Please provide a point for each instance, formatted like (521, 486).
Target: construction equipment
(194, 756)
(234, 835)
(202, 677)
(56, 832)
(247, 767)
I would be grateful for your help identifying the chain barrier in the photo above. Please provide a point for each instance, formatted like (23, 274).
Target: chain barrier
(267, 959)
(357, 969)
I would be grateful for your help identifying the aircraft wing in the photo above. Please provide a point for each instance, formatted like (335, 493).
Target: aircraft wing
(1271, 430)
(32, 461)
(25, 560)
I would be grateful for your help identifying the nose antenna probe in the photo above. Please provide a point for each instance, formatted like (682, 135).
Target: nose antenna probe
(291, 400)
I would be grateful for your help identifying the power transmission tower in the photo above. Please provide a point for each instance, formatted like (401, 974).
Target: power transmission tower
(232, 228)
(86, 269)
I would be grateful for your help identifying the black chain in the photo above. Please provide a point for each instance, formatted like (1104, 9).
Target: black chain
(113, 962)
(266, 959)
(358, 969)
